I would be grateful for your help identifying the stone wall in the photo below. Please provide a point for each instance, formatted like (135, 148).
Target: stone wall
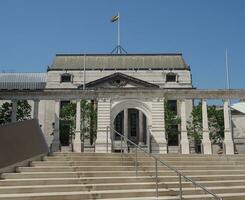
(153, 76)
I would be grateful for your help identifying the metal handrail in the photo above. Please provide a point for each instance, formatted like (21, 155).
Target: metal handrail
(179, 174)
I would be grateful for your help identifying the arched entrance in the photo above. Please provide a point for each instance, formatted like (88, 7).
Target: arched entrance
(133, 124)
(132, 118)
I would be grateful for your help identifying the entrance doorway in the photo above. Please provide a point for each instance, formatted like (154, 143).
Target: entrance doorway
(135, 125)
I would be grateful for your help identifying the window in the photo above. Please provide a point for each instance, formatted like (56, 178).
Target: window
(171, 77)
(172, 104)
(64, 103)
(65, 78)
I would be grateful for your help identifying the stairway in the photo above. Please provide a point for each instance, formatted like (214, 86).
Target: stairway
(73, 176)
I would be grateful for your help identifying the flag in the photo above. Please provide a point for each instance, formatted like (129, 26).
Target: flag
(114, 18)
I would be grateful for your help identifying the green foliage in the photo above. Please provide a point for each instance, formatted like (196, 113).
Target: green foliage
(171, 121)
(88, 118)
(194, 126)
(67, 119)
(23, 111)
(215, 123)
(5, 113)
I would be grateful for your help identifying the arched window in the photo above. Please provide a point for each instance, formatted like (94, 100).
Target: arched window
(65, 78)
(171, 77)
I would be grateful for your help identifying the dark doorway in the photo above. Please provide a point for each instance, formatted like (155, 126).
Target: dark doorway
(118, 124)
(64, 134)
(133, 125)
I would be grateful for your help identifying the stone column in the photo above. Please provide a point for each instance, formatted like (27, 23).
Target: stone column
(185, 148)
(56, 138)
(35, 109)
(207, 148)
(125, 127)
(228, 140)
(158, 142)
(14, 111)
(103, 121)
(77, 140)
(141, 129)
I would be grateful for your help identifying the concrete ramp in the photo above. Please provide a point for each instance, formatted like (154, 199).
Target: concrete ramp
(21, 141)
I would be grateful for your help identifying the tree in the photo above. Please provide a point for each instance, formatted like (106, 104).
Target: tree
(88, 118)
(215, 123)
(23, 111)
(171, 123)
(5, 113)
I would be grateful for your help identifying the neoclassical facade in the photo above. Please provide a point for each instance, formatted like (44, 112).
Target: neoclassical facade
(129, 91)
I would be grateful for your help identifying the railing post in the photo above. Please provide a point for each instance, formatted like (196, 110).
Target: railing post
(136, 161)
(180, 186)
(107, 131)
(121, 145)
(156, 169)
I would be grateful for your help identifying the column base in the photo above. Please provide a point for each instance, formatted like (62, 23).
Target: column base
(207, 147)
(141, 144)
(101, 147)
(229, 147)
(55, 146)
(185, 148)
(77, 146)
(158, 148)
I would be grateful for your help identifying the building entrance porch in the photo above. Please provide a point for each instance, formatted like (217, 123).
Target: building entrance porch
(132, 123)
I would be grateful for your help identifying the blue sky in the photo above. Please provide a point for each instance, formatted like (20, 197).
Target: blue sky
(32, 32)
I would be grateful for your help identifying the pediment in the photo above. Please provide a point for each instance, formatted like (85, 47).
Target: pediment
(119, 80)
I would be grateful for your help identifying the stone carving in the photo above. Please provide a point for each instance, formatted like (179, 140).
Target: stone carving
(118, 82)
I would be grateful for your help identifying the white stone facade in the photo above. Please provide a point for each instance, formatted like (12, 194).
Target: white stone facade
(150, 123)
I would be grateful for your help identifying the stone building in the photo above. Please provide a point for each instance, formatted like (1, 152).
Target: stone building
(132, 112)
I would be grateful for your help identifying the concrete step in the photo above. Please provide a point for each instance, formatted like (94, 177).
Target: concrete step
(117, 173)
(120, 168)
(142, 157)
(62, 181)
(220, 156)
(125, 163)
(82, 163)
(112, 176)
(227, 196)
(111, 179)
(187, 188)
(115, 194)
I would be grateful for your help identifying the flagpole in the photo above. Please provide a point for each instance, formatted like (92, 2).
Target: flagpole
(84, 71)
(118, 34)
(228, 88)
(227, 70)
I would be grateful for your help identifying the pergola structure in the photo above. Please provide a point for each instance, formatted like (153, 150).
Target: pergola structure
(134, 98)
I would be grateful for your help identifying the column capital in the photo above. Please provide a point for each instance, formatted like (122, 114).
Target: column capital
(162, 99)
(104, 99)
(36, 100)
